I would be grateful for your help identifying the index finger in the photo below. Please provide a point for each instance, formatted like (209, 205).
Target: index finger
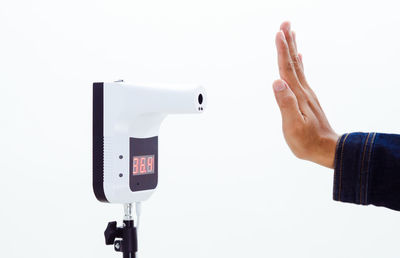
(286, 68)
(286, 28)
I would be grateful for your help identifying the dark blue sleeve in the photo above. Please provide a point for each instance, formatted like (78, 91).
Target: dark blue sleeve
(367, 169)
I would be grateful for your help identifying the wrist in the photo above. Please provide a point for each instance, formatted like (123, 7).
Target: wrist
(326, 150)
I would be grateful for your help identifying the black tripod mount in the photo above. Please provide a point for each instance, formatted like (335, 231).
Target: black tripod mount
(123, 238)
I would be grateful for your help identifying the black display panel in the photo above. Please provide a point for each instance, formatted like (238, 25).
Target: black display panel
(143, 167)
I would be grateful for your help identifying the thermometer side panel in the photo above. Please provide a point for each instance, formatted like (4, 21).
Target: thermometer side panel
(98, 141)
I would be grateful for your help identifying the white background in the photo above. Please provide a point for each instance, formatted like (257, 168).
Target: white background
(229, 186)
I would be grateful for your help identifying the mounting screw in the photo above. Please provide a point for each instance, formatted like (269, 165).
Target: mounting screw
(117, 246)
(121, 157)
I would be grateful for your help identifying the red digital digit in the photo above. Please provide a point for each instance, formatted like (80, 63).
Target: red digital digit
(150, 164)
(142, 165)
(135, 166)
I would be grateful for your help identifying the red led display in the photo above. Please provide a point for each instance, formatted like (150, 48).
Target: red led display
(143, 165)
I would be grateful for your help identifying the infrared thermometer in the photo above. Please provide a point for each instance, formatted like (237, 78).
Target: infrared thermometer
(126, 122)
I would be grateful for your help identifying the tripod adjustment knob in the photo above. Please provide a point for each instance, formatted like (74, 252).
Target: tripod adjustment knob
(123, 238)
(111, 233)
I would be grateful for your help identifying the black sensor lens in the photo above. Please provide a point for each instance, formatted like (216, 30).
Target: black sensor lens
(200, 98)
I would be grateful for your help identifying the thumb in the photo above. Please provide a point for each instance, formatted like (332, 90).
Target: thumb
(287, 101)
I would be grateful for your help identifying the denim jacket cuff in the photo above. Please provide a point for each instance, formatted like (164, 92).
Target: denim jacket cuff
(352, 167)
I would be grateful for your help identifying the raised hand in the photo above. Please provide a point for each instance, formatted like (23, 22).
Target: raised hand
(305, 126)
